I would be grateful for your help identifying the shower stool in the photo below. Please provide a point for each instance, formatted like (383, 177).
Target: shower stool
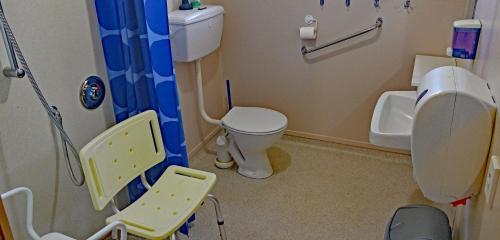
(126, 151)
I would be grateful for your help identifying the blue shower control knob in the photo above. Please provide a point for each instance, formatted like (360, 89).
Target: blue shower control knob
(92, 92)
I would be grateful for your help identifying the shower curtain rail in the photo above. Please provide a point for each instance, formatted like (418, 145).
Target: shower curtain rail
(377, 25)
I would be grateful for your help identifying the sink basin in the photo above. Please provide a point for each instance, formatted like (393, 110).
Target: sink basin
(393, 119)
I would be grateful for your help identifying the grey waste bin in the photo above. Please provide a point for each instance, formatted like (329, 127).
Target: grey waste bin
(418, 222)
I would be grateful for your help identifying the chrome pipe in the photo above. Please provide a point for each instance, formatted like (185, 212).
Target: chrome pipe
(13, 70)
(377, 25)
(218, 214)
(69, 166)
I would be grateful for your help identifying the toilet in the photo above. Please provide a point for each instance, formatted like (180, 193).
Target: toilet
(251, 131)
(248, 131)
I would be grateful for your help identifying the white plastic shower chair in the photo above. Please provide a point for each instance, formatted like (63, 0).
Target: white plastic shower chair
(126, 151)
(112, 227)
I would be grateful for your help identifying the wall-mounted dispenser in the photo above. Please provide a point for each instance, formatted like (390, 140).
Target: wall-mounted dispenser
(448, 126)
(465, 38)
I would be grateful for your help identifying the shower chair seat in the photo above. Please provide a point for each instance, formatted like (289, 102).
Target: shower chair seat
(170, 202)
(126, 151)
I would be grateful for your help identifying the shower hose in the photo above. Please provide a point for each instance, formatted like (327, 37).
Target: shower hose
(51, 111)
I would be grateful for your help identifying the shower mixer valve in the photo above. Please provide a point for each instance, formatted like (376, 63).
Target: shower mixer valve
(92, 92)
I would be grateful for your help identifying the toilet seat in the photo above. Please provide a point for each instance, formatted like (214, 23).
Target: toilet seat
(254, 120)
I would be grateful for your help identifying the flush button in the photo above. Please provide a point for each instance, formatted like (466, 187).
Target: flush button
(92, 92)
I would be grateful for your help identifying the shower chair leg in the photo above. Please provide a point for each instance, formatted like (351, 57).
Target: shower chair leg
(173, 236)
(218, 213)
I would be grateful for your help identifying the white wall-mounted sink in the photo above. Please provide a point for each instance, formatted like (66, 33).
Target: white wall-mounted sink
(392, 120)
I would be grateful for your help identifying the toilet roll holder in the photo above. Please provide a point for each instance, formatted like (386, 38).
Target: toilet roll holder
(309, 19)
(308, 32)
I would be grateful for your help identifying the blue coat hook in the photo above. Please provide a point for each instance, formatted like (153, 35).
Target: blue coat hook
(407, 5)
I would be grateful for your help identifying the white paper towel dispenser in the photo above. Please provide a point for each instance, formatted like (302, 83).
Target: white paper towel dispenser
(451, 133)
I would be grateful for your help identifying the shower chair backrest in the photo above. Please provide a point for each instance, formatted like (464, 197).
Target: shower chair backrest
(120, 154)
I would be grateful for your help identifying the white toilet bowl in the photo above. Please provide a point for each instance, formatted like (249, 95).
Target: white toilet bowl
(251, 132)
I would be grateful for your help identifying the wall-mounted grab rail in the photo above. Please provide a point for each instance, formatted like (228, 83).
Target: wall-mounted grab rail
(377, 25)
(13, 70)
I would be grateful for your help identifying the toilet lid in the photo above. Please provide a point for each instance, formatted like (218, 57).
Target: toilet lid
(254, 120)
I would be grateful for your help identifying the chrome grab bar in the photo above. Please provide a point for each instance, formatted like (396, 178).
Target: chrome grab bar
(377, 25)
(13, 70)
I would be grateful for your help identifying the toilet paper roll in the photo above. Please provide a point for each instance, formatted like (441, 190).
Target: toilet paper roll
(308, 33)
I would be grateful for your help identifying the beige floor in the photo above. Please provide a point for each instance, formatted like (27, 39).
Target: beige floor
(319, 191)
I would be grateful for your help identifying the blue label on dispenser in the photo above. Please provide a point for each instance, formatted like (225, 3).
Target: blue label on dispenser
(465, 41)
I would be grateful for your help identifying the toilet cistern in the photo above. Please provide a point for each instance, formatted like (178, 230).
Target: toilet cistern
(248, 131)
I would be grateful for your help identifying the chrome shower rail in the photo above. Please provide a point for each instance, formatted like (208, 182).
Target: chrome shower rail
(13, 70)
(377, 25)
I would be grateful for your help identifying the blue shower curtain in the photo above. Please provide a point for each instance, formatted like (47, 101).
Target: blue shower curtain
(136, 44)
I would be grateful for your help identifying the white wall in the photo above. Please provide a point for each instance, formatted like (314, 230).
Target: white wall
(172, 4)
(61, 44)
(330, 94)
(481, 221)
